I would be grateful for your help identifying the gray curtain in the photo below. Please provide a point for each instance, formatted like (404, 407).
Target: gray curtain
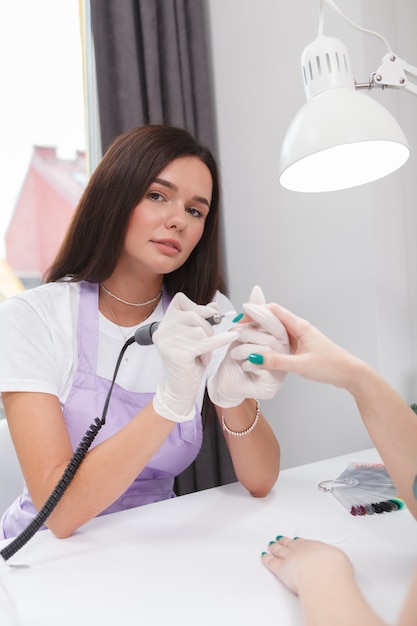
(213, 465)
(152, 67)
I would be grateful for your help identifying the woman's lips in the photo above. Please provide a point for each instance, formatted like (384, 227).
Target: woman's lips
(168, 246)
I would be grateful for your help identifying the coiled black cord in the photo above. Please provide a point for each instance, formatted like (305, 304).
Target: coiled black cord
(68, 474)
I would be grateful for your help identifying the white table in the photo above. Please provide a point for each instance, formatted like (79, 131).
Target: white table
(195, 560)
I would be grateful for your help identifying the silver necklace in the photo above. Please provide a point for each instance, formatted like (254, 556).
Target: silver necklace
(112, 295)
(118, 325)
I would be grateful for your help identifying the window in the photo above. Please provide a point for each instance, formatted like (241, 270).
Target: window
(42, 151)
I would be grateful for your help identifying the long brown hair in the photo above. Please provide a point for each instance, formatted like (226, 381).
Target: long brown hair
(94, 239)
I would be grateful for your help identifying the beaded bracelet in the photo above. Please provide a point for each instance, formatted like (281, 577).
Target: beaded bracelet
(236, 433)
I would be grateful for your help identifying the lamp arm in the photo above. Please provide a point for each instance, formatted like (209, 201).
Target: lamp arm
(395, 73)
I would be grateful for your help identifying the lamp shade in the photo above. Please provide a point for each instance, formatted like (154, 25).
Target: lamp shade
(341, 137)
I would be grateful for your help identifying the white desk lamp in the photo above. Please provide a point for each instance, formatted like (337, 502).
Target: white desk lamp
(341, 137)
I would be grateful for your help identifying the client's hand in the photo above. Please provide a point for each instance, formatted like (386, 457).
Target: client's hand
(237, 378)
(302, 564)
(313, 355)
(185, 341)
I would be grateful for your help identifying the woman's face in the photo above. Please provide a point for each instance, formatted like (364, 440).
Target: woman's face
(168, 222)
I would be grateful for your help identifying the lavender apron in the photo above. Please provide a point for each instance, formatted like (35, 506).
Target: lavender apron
(85, 402)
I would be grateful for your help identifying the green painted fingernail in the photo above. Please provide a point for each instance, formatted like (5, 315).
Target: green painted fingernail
(263, 553)
(271, 543)
(238, 317)
(256, 358)
(278, 537)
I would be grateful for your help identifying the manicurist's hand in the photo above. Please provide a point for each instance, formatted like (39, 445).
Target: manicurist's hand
(236, 378)
(185, 341)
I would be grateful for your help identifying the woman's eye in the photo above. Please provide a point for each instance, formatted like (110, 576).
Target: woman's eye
(195, 212)
(156, 196)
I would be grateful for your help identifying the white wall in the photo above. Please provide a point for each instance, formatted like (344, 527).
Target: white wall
(344, 260)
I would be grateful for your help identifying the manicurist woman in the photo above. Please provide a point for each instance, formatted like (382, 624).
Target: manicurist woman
(143, 246)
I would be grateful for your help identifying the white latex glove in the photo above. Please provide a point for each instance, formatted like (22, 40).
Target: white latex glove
(237, 378)
(185, 341)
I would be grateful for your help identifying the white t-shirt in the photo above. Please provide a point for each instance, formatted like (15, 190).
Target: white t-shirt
(39, 352)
